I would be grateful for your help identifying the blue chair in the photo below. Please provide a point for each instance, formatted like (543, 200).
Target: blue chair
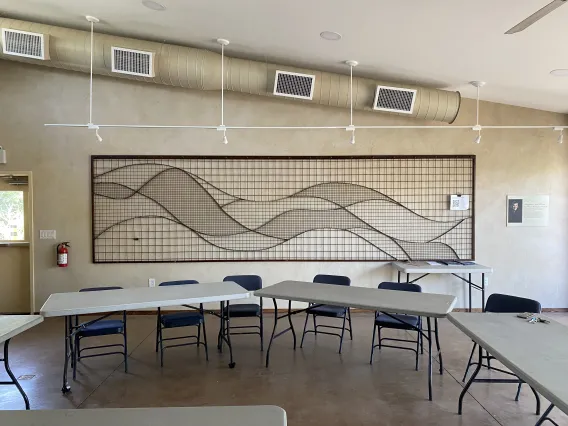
(100, 328)
(246, 310)
(329, 311)
(194, 318)
(391, 321)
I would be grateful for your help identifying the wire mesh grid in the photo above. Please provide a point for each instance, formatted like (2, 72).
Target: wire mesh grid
(188, 209)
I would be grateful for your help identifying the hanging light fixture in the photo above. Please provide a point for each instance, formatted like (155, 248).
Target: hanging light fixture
(222, 128)
(351, 127)
(477, 127)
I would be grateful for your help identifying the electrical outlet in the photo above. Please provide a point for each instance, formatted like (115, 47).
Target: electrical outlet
(47, 235)
(151, 282)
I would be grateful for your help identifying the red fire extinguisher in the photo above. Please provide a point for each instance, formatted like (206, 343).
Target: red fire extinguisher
(63, 254)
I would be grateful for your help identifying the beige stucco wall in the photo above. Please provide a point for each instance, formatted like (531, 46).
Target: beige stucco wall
(527, 261)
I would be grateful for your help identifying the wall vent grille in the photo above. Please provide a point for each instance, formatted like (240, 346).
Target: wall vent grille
(394, 99)
(294, 85)
(133, 62)
(25, 44)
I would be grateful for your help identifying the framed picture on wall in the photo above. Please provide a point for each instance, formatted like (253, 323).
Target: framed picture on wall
(527, 210)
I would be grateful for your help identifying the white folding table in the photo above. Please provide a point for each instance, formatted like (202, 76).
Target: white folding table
(262, 415)
(107, 302)
(10, 326)
(386, 301)
(424, 269)
(536, 353)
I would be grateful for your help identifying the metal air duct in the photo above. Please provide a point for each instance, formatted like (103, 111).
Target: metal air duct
(201, 69)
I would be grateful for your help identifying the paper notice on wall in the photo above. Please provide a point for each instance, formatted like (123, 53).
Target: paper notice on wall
(527, 210)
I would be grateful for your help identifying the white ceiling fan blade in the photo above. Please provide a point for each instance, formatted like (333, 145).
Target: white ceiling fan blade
(555, 4)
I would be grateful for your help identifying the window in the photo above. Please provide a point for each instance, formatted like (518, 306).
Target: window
(12, 216)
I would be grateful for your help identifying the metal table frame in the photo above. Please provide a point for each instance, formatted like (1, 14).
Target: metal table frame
(469, 281)
(13, 379)
(427, 335)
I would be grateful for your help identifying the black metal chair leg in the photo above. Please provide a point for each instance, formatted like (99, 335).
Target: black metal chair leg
(421, 338)
(11, 375)
(304, 332)
(470, 381)
(379, 332)
(221, 327)
(469, 361)
(315, 326)
(417, 348)
(373, 343)
(429, 359)
(342, 332)
(74, 358)
(161, 348)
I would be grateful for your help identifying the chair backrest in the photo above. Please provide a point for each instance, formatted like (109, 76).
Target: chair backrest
(248, 282)
(400, 287)
(179, 282)
(504, 303)
(100, 288)
(332, 279)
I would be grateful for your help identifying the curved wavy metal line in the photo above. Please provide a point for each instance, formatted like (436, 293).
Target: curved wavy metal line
(284, 241)
(168, 167)
(295, 195)
(449, 230)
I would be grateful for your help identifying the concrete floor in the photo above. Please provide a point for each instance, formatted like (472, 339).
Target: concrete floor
(315, 385)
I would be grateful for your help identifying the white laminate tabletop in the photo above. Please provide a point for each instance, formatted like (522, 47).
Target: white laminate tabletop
(92, 302)
(12, 325)
(402, 302)
(537, 353)
(263, 415)
(424, 268)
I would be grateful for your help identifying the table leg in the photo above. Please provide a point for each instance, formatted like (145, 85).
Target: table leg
(398, 276)
(407, 278)
(13, 379)
(221, 327)
(545, 417)
(471, 379)
(228, 337)
(483, 292)
(68, 353)
(290, 321)
(469, 283)
(436, 334)
(429, 359)
(273, 331)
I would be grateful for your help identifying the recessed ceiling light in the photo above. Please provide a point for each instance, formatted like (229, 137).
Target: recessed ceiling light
(330, 35)
(559, 72)
(153, 5)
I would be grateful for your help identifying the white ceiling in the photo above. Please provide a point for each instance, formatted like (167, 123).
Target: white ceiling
(439, 43)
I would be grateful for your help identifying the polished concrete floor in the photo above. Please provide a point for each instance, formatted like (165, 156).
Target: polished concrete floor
(315, 385)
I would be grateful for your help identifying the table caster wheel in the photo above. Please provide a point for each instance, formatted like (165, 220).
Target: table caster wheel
(232, 365)
(66, 389)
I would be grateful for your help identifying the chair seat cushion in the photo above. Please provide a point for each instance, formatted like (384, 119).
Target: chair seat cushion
(383, 320)
(328, 311)
(244, 310)
(102, 328)
(181, 319)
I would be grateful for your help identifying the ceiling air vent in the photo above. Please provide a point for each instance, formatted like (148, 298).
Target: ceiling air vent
(133, 62)
(394, 99)
(25, 44)
(294, 85)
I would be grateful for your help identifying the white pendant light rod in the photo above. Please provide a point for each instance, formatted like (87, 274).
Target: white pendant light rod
(351, 127)
(223, 42)
(90, 124)
(478, 85)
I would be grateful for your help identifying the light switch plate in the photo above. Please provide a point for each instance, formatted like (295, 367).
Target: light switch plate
(47, 234)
